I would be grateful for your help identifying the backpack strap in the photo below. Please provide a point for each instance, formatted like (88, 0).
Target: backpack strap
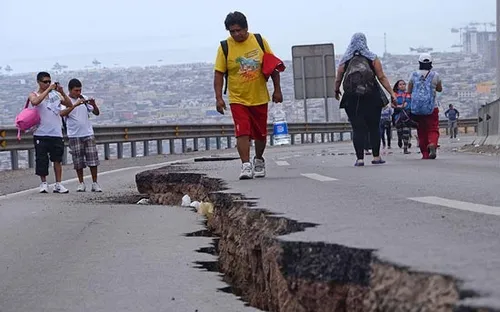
(260, 41)
(415, 77)
(28, 100)
(25, 107)
(225, 49)
(431, 74)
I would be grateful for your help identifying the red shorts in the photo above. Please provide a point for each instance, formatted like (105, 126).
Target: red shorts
(250, 121)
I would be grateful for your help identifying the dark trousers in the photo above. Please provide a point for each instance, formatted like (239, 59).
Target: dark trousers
(404, 133)
(364, 116)
(47, 148)
(385, 130)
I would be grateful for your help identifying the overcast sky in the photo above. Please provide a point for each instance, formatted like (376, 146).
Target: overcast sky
(191, 30)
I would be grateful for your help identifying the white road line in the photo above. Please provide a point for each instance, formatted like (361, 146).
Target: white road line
(35, 189)
(282, 163)
(285, 157)
(460, 205)
(318, 177)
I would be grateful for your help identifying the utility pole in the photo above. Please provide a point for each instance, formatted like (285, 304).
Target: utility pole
(385, 44)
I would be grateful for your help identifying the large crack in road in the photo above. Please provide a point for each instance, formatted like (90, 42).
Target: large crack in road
(277, 275)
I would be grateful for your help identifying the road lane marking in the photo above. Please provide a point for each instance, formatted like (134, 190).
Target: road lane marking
(460, 205)
(282, 163)
(318, 177)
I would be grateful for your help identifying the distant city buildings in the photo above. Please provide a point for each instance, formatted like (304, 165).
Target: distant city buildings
(183, 94)
(481, 43)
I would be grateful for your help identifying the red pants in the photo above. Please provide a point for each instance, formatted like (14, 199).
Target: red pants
(427, 131)
(250, 121)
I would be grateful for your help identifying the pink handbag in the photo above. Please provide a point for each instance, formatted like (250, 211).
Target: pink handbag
(26, 119)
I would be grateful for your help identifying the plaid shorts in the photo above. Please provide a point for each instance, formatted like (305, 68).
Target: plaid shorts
(84, 152)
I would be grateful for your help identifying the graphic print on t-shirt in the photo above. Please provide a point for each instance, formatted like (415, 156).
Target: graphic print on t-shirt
(54, 102)
(249, 65)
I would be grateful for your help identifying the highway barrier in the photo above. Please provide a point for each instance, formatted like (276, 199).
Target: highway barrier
(186, 138)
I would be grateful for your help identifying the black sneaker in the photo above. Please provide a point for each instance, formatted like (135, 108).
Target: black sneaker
(432, 152)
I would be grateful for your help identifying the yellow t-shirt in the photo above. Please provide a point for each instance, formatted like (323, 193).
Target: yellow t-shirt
(246, 83)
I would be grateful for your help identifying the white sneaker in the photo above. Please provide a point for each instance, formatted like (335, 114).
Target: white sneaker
(259, 168)
(81, 187)
(246, 171)
(59, 188)
(44, 187)
(96, 187)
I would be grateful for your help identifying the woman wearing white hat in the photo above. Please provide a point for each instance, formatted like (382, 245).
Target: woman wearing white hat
(423, 85)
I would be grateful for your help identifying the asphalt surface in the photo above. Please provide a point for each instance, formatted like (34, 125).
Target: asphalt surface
(81, 252)
(71, 253)
(12, 181)
(371, 207)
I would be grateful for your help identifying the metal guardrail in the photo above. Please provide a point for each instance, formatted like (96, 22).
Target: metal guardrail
(120, 134)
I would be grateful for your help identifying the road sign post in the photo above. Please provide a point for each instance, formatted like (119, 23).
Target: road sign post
(314, 73)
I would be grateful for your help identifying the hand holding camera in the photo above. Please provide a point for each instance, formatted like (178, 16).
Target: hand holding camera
(59, 88)
(53, 86)
(79, 102)
(82, 100)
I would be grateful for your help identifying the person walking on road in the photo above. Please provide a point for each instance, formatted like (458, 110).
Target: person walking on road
(386, 126)
(402, 119)
(363, 98)
(248, 93)
(48, 136)
(452, 114)
(422, 86)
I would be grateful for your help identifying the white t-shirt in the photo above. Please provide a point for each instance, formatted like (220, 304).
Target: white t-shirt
(78, 122)
(50, 120)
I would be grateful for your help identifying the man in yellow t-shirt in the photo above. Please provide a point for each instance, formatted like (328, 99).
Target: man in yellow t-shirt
(248, 94)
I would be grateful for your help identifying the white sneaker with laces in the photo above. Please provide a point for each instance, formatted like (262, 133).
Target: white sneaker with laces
(81, 187)
(59, 188)
(96, 187)
(259, 168)
(246, 171)
(44, 187)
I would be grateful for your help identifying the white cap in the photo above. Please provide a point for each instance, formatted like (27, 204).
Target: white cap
(425, 58)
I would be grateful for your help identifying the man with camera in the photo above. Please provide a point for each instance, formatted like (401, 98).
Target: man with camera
(48, 136)
(81, 134)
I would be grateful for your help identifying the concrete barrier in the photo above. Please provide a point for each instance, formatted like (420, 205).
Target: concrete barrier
(488, 130)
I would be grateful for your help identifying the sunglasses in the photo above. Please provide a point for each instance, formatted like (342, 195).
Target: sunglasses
(46, 81)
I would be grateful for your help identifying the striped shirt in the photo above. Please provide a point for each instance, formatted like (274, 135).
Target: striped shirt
(402, 97)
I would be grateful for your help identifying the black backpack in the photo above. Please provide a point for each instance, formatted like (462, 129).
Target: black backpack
(225, 49)
(359, 78)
